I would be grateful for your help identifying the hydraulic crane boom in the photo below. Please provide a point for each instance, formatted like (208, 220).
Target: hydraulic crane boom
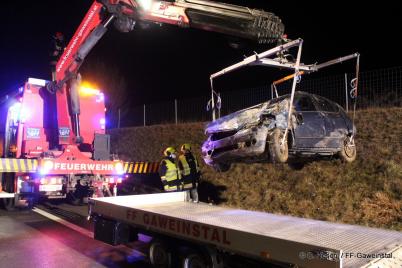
(257, 25)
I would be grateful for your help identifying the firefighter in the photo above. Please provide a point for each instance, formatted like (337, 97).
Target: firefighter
(190, 172)
(168, 171)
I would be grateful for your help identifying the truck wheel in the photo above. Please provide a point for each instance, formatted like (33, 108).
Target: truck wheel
(194, 261)
(9, 204)
(278, 152)
(348, 152)
(8, 179)
(159, 255)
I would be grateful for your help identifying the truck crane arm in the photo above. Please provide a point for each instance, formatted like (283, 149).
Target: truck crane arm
(243, 22)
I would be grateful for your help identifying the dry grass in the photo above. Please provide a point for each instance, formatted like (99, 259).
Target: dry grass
(366, 192)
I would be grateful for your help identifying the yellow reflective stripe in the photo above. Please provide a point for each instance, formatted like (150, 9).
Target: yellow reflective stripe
(35, 164)
(141, 165)
(135, 168)
(188, 186)
(22, 165)
(186, 167)
(8, 167)
(145, 167)
(29, 164)
(1, 164)
(15, 165)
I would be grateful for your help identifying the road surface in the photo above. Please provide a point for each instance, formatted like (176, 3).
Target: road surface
(29, 239)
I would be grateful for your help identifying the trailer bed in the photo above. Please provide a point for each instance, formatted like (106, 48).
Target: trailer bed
(305, 242)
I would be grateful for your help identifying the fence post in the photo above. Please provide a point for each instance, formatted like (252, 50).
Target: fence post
(346, 93)
(144, 116)
(175, 110)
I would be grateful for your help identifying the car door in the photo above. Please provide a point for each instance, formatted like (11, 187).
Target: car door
(310, 128)
(334, 123)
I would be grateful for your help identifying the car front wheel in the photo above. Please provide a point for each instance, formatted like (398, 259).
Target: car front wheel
(278, 150)
(348, 152)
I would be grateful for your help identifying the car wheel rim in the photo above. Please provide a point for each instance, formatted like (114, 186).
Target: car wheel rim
(282, 145)
(349, 148)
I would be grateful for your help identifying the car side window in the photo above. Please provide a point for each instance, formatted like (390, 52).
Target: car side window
(304, 104)
(325, 105)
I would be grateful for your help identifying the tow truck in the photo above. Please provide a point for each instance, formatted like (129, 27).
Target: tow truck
(52, 146)
(186, 234)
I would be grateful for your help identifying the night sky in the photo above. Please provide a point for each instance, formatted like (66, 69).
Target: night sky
(164, 63)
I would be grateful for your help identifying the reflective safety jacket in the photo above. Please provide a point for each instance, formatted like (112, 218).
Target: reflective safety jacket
(190, 171)
(170, 175)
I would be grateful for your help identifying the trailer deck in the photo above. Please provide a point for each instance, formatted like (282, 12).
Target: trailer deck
(305, 242)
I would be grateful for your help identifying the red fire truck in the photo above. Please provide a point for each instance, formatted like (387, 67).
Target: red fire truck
(43, 157)
(52, 145)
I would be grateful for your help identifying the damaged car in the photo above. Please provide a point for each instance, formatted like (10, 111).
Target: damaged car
(317, 127)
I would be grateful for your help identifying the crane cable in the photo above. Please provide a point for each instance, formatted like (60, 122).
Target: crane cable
(354, 85)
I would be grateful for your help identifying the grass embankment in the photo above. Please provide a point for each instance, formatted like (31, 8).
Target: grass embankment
(366, 192)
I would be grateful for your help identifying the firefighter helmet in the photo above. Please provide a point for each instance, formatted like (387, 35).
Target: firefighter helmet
(186, 147)
(169, 150)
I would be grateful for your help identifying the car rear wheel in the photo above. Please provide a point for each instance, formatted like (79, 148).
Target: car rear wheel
(278, 150)
(348, 152)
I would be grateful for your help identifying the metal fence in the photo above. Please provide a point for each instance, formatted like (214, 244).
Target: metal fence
(377, 88)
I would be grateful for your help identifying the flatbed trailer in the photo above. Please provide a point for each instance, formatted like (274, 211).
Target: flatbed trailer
(213, 233)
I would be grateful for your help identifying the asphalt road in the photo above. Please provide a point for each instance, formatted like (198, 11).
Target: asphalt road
(28, 239)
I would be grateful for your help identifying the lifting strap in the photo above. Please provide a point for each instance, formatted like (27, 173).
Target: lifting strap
(354, 84)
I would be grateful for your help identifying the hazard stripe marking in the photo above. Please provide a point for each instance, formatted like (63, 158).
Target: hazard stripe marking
(22, 165)
(15, 164)
(8, 167)
(135, 168)
(141, 167)
(30, 165)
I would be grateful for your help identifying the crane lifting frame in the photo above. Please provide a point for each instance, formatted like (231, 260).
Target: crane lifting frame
(263, 59)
